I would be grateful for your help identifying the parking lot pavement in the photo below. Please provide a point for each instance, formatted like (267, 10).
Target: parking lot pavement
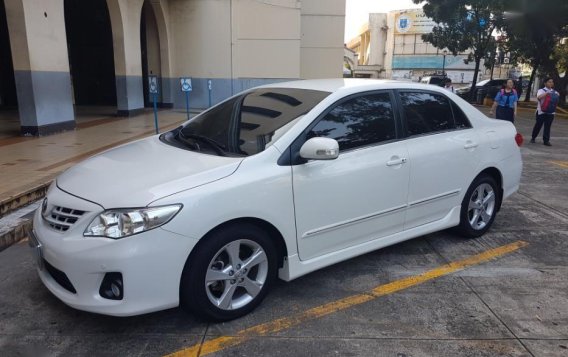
(505, 302)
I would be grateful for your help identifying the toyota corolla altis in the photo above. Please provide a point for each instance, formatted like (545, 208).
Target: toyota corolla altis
(277, 181)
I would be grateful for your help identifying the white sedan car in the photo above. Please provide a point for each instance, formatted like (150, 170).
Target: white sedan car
(277, 181)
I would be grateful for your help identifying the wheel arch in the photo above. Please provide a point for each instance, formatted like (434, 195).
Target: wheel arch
(494, 173)
(269, 228)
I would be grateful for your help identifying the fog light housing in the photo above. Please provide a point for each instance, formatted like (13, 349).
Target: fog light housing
(112, 286)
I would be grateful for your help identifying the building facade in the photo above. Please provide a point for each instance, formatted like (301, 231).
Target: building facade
(391, 46)
(57, 54)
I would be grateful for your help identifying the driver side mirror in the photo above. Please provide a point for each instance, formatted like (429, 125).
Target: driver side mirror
(320, 149)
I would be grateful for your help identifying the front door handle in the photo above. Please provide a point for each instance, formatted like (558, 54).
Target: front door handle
(470, 145)
(397, 161)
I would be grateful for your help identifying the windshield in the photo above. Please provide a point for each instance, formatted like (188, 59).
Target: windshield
(246, 124)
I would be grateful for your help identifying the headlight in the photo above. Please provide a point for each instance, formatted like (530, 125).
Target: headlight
(120, 223)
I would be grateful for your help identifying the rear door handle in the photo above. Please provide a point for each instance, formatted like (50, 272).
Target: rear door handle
(395, 162)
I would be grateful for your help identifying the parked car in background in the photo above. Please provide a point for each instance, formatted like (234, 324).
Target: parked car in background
(277, 181)
(482, 89)
(435, 80)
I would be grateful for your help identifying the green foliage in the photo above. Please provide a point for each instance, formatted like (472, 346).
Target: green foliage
(531, 31)
(465, 25)
(560, 57)
(534, 31)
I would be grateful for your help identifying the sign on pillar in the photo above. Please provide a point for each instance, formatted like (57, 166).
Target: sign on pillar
(153, 90)
(186, 87)
(209, 89)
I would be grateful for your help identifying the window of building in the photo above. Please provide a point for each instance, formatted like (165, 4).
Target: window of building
(398, 44)
(360, 121)
(408, 48)
(426, 112)
(421, 46)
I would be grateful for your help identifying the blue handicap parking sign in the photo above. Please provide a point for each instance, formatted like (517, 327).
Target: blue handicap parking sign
(153, 84)
(185, 84)
(209, 85)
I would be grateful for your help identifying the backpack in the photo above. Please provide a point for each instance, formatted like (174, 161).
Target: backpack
(514, 91)
(549, 102)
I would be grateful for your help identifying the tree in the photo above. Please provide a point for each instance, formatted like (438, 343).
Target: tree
(464, 25)
(534, 30)
(557, 68)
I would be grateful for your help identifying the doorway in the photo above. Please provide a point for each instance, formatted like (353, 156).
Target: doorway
(91, 54)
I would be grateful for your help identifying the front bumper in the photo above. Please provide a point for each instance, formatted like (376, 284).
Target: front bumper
(151, 263)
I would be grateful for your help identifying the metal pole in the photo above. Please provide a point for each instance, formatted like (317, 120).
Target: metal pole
(187, 104)
(209, 90)
(156, 114)
(444, 66)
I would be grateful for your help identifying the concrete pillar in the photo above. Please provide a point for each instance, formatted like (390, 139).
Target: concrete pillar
(125, 17)
(169, 84)
(151, 57)
(41, 65)
(378, 33)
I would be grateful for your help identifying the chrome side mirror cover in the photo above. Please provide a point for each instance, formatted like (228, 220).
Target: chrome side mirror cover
(320, 149)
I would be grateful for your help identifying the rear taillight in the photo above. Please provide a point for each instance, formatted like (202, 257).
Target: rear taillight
(519, 139)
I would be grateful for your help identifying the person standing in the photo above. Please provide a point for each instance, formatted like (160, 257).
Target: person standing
(448, 85)
(547, 100)
(506, 102)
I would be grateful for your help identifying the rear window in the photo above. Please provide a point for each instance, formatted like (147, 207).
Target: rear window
(426, 112)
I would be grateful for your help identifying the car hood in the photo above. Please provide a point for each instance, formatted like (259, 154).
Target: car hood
(136, 174)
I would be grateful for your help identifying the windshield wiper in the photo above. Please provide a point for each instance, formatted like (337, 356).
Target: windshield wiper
(218, 148)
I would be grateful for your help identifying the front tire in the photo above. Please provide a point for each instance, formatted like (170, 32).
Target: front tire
(479, 207)
(229, 274)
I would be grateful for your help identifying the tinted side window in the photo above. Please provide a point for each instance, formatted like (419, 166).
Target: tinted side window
(359, 121)
(459, 117)
(426, 112)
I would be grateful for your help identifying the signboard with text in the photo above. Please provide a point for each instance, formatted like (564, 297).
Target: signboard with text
(430, 62)
(412, 22)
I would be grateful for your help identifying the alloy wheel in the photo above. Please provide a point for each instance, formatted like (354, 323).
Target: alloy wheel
(481, 206)
(236, 274)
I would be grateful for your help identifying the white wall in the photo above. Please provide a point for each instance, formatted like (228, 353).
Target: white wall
(267, 39)
(323, 26)
(201, 38)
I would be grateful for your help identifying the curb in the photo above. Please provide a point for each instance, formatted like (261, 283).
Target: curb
(16, 234)
(23, 199)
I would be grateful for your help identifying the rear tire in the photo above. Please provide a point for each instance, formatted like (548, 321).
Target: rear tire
(479, 207)
(229, 273)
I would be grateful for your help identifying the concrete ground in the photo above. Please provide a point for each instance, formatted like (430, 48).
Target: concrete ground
(512, 303)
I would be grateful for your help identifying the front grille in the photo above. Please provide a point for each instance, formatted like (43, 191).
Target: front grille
(62, 218)
(60, 277)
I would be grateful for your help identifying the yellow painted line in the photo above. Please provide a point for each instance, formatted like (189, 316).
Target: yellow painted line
(563, 164)
(223, 342)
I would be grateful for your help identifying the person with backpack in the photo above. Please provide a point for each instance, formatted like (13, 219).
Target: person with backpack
(546, 108)
(506, 102)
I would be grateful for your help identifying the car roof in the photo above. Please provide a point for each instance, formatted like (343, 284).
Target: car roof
(341, 84)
